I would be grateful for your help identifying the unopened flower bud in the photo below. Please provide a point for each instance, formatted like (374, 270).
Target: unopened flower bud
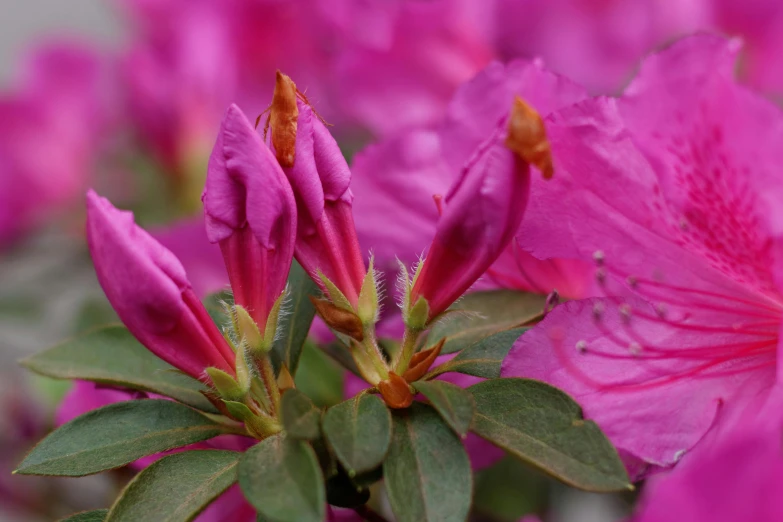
(484, 208)
(320, 177)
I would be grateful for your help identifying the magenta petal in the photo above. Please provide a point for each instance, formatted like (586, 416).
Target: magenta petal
(399, 177)
(650, 407)
(149, 290)
(738, 480)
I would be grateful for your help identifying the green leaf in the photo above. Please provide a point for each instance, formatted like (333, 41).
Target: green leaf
(176, 488)
(483, 358)
(99, 515)
(359, 431)
(544, 427)
(300, 417)
(111, 355)
(427, 471)
(281, 478)
(295, 324)
(319, 377)
(115, 435)
(453, 403)
(484, 313)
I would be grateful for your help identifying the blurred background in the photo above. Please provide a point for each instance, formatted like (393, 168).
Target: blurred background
(125, 96)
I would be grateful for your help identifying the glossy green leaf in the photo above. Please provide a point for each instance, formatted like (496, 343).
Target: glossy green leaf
(427, 471)
(544, 427)
(301, 419)
(111, 355)
(482, 358)
(453, 403)
(359, 431)
(281, 478)
(99, 515)
(115, 435)
(485, 313)
(176, 488)
(295, 324)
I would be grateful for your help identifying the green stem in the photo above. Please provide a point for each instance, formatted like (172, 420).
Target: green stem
(404, 356)
(270, 382)
(374, 351)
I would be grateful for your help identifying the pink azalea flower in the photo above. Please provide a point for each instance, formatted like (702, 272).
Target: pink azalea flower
(399, 176)
(673, 191)
(738, 480)
(150, 292)
(251, 213)
(50, 131)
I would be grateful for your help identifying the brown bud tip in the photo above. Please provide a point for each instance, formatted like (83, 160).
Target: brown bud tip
(422, 361)
(283, 115)
(284, 379)
(395, 392)
(527, 137)
(339, 319)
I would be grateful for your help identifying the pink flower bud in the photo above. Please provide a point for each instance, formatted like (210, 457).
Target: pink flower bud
(483, 210)
(320, 178)
(149, 290)
(251, 212)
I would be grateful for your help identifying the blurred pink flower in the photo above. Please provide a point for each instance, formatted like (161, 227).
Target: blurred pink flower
(737, 480)
(399, 177)
(400, 62)
(189, 59)
(674, 191)
(50, 132)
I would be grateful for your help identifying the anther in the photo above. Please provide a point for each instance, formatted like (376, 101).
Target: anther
(635, 348)
(598, 311)
(598, 257)
(438, 198)
(660, 310)
(632, 281)
(600, 275)
(625, 312)
(581, 346)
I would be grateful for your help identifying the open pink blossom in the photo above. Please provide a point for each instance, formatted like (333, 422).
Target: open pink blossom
(251, 213)
(148, 288)
(673, 191)
(739, 479)
(50, 132)
(400, 176)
